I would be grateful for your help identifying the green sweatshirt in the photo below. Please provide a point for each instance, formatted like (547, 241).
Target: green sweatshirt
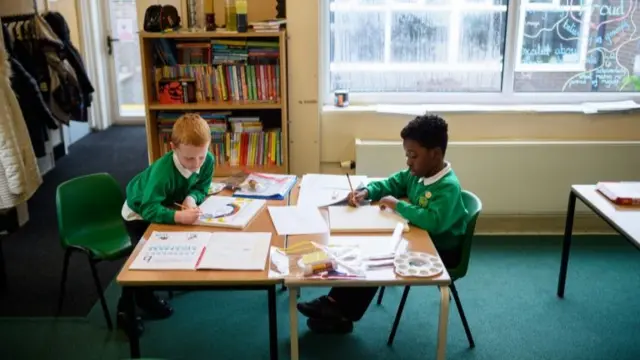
(161, 185)
(436, 208)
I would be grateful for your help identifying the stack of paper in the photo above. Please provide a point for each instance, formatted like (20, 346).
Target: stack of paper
(203, 250)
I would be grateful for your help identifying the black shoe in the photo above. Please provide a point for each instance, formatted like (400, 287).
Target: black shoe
(122, 322)
(154, 307)
(320, 308)
(330, 326)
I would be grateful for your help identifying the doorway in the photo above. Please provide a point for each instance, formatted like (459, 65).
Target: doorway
(123, 62)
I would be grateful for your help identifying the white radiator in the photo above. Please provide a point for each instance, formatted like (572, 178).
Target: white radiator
(517, 178)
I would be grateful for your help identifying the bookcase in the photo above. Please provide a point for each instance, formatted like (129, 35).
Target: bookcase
(235, 81)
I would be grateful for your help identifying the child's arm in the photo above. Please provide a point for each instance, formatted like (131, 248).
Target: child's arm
(436, 217)
(151, 208)
(395, 185)
(201, 188)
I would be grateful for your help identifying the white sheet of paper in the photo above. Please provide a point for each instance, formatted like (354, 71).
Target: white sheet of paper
(298, 220)
(236, 251)
(322, 190)
(171, 251)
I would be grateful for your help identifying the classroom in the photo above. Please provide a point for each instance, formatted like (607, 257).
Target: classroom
(308, 179)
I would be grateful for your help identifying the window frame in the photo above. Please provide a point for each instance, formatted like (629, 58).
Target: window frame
(505, 97)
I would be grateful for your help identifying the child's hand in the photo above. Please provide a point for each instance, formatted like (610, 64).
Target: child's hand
(388, 202)
(356, 197)
(189, 203)
(188, 217)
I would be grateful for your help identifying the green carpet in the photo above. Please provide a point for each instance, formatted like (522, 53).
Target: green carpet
(509, 297)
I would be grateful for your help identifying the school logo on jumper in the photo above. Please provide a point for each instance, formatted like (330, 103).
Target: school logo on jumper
(424, 200)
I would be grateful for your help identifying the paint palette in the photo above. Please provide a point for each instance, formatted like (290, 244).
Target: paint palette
(418, 264)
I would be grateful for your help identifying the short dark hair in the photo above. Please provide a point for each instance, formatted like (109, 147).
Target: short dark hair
(428, 130)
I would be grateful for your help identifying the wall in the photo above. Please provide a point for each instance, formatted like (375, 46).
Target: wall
(67, 8)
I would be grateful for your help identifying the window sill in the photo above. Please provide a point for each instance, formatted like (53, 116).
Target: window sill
(414, 110)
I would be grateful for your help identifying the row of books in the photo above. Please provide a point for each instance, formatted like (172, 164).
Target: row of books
(240, 149)
(219, 122)
(220, 51)
(226, 82)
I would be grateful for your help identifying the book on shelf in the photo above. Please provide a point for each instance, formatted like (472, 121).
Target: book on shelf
(225, 70)
(244, 144)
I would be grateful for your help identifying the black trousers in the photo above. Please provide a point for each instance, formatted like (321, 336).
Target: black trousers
(354, 301)
(136, 230)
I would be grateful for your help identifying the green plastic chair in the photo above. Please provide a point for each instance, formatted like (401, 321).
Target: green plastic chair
(474, 207)
(89, 222)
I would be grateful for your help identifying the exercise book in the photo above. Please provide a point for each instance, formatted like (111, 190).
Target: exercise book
(229, 212)
(203, 250)
(298, 220)
(366, 218)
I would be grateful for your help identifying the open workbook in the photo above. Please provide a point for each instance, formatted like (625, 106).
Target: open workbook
(204, 251)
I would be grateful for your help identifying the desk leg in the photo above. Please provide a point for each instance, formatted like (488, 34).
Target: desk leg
(273, 323)
(443, 322)
(566, 243)
(132, 331)
(293, 322)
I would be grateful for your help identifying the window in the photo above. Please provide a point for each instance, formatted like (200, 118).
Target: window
(412, 48)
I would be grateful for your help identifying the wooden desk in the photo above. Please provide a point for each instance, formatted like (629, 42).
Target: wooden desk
(205, 279)
(624, 219)
(418, 240)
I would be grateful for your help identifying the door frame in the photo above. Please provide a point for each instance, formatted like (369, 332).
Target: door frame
(100, 64)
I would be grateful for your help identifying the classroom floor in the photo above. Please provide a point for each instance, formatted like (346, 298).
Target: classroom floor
(509, 297)
(33, 253)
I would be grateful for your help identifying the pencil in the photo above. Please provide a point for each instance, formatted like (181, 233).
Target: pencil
(181, 206)
(349, 180)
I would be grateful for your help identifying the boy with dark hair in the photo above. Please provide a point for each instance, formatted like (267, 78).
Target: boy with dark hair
(182, 175)
(435, 205)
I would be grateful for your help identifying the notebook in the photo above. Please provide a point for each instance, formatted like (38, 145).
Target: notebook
(621, 193)
(203, 250)
(229, 212)
(366, 218)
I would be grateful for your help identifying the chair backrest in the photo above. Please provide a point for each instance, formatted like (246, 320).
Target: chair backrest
(87, 202)
(474, 207)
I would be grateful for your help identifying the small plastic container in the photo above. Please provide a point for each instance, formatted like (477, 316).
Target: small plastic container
(319, 267)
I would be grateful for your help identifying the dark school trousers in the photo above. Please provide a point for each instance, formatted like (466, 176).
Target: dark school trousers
(136, 230)
(354, 301)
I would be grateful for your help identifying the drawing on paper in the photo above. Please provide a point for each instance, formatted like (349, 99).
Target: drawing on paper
(227, 210)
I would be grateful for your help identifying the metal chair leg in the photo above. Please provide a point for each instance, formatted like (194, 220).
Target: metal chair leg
(396, 322)
(63, 280)
(3, 269)
(467, 331)
(103, 302)
(380, 295)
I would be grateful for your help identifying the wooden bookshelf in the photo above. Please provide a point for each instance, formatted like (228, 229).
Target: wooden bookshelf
(260, 92)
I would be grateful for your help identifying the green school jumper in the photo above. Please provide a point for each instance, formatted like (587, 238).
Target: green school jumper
(435, 204)
(161, 185)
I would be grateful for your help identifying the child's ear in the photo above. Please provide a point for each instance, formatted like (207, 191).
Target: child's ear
(173, 146)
